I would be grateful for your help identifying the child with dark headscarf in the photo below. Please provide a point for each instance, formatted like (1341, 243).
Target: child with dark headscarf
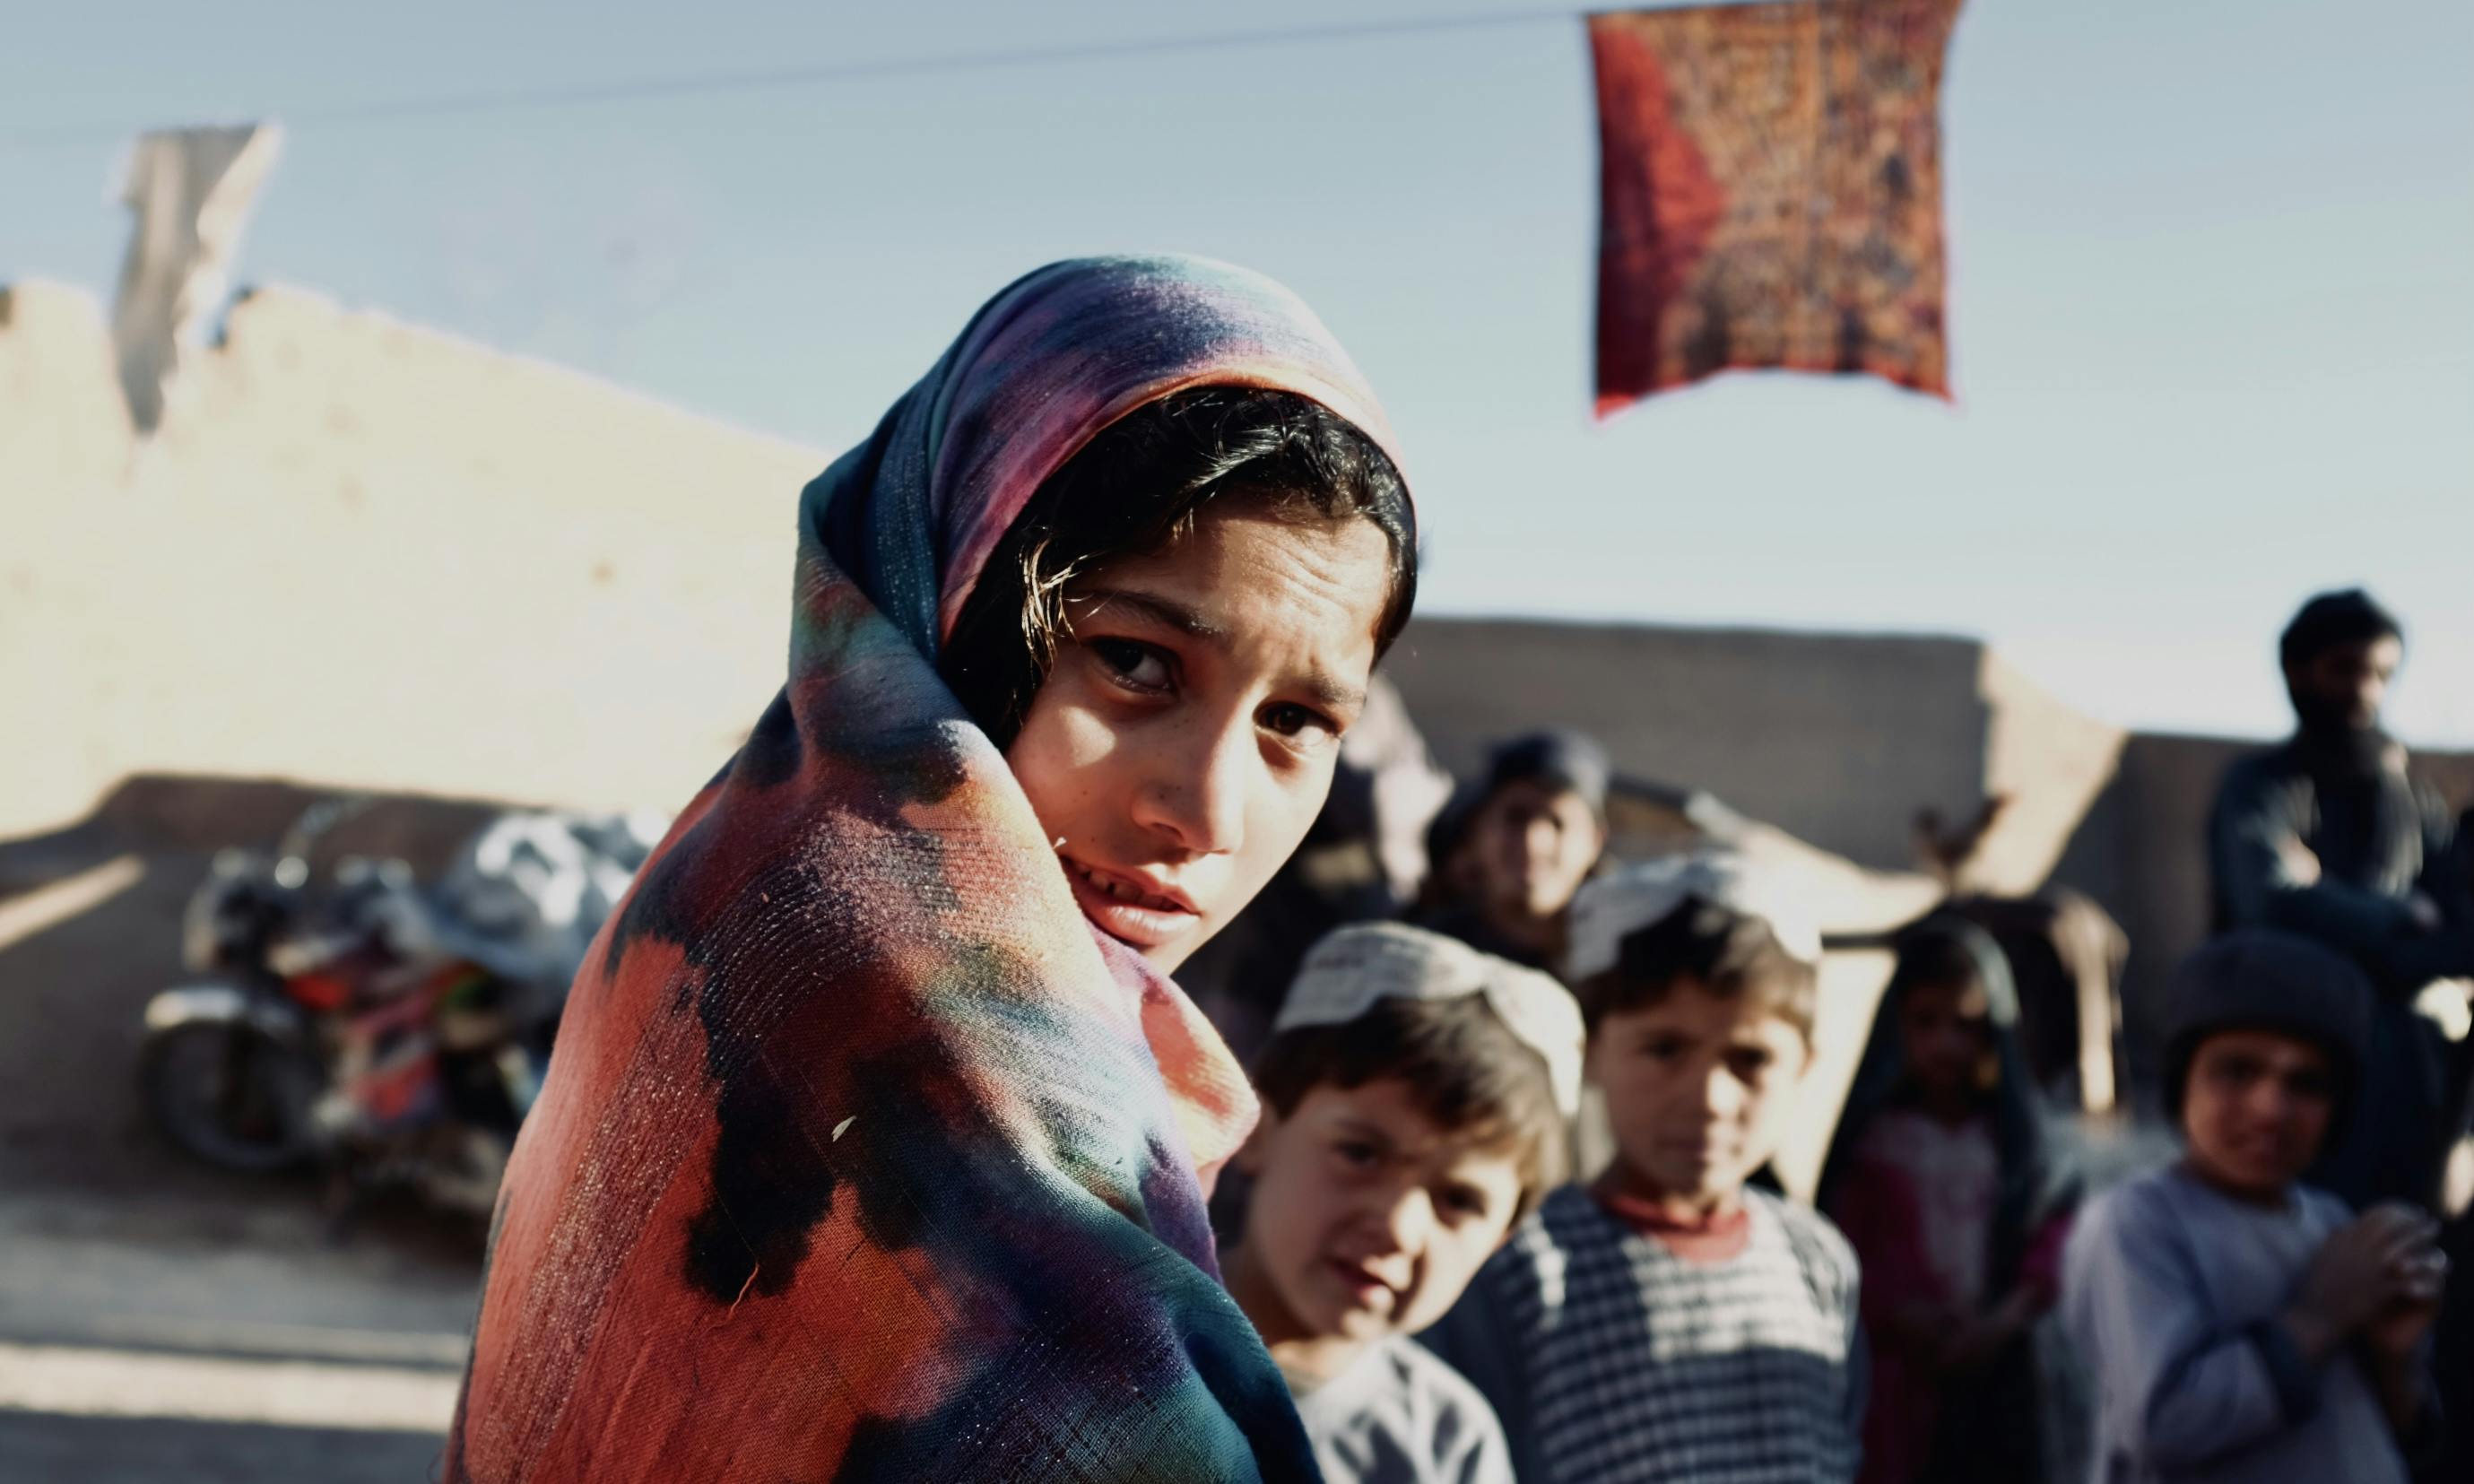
(1944, 1179)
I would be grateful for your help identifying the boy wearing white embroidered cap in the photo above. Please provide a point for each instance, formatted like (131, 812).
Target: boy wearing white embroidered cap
(1667, 1320)
(1415, 1099)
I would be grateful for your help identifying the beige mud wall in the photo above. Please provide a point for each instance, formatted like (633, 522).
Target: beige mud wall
(1838, 738)
(2050, 764)
(364, 553)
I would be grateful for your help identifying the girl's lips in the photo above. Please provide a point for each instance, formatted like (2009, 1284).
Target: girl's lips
(1125, 911)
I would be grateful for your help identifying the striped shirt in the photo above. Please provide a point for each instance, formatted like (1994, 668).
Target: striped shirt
(1612, 1360)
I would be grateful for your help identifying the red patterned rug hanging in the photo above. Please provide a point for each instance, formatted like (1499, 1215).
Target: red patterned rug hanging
(1770, 192)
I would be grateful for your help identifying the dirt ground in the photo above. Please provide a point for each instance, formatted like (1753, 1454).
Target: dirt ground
(117, 1250)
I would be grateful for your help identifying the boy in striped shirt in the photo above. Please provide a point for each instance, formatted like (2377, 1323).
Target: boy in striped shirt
(1667, 1320)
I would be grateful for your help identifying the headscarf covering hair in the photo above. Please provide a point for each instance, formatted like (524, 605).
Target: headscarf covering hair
(2349, 616)
(1613, 906)
(2036, 1182)
(862, 1156)
(2257, 978)
(1346, 973)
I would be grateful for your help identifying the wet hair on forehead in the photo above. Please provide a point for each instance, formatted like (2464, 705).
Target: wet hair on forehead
(1139, 486)
(1463, 1068)
(1725, 953)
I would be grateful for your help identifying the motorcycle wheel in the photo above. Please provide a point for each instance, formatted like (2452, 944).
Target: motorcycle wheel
(229, 1095)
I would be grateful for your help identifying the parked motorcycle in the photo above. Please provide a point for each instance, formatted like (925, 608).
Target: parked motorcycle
(347, 1026)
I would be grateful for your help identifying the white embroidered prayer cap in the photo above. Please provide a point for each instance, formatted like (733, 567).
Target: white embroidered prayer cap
(1615, 906)
(1349, 970)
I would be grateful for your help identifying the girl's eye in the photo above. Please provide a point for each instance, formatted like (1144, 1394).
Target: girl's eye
(1286, 720)
(1131, 663)
(1663, 1047)
(1462, 1200)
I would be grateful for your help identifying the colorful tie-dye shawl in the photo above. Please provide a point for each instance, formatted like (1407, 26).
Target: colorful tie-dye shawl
(861, 1156)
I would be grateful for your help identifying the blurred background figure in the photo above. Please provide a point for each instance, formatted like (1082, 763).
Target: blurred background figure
(2066, 955)
(1947, 1179)
(1535, 829)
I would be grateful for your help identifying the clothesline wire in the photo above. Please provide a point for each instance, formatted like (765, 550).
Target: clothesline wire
(772, 79)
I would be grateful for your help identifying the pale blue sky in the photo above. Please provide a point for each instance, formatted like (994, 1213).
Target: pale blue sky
(2213, 268)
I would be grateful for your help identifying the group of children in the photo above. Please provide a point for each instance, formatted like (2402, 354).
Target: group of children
(1447, 1304)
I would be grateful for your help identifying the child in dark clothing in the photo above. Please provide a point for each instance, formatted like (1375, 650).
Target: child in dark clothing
(2241, 1325)
(1944, 1179)
(1668, 1322)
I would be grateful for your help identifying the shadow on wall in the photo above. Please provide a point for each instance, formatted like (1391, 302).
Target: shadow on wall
(2142, 851)
(91, 929)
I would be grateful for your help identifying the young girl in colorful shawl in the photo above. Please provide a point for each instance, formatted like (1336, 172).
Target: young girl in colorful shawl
(1943, 1176)
(877, 1141)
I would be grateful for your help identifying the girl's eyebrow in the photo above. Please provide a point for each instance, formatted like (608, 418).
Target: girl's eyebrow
(1161, 610)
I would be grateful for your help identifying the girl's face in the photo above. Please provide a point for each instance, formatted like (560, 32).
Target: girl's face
(1184, 741)
(1945, 1032)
